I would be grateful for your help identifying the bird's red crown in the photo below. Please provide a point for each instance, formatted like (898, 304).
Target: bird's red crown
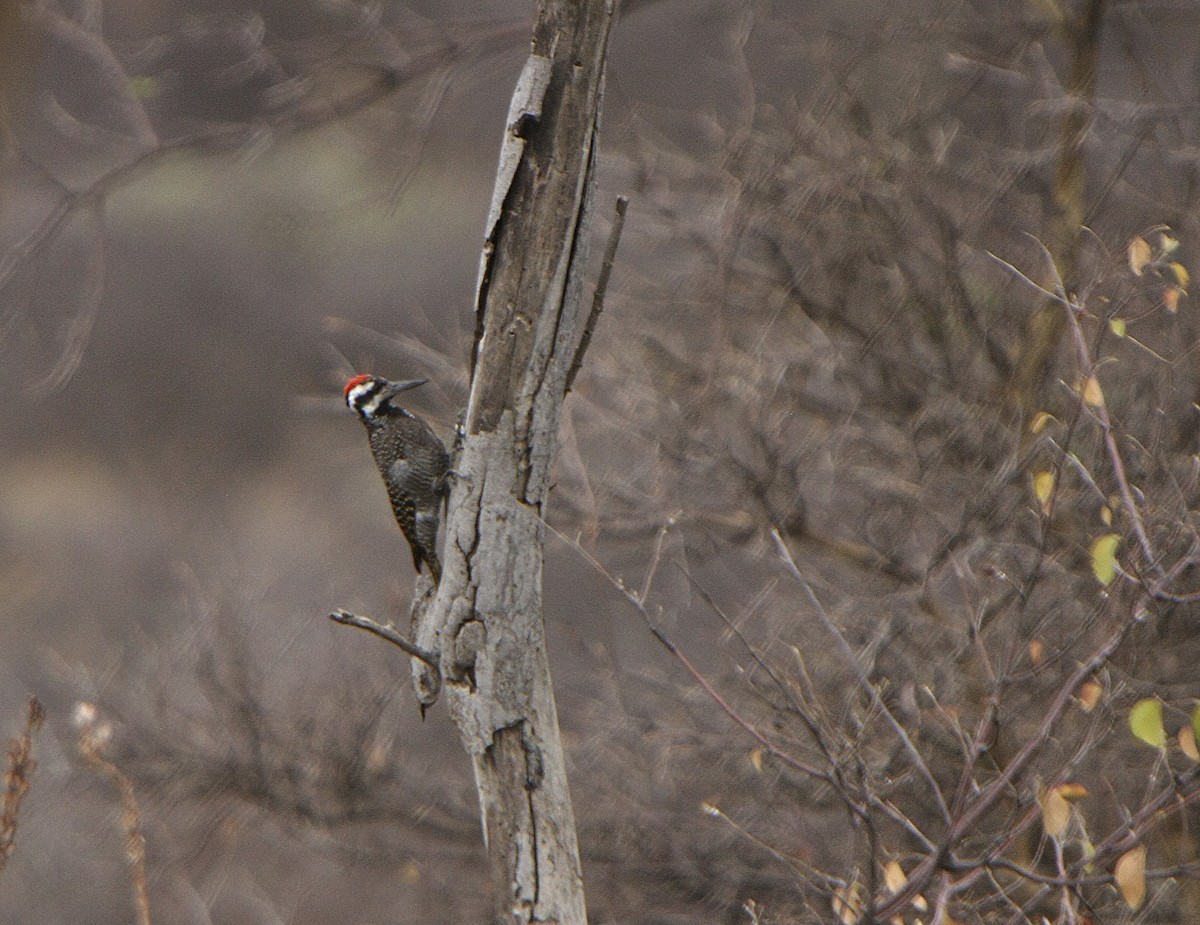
(356, 381)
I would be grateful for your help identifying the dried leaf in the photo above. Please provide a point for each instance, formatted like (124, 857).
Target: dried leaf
(1171, 298)
(1139, 255)
(1104, 558)
(893, 876)
(1130, 874)
(1092, 393)
(756, 759)
(1037, 650)
(1106, 515)
(1117, 326)
(1038, 422)
(1167, 244)
(1090, 693)
(1146, 722)
(1187, 742)
(847, 903)
(1056, 812)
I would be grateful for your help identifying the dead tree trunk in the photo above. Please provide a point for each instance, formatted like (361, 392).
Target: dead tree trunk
(485, 622)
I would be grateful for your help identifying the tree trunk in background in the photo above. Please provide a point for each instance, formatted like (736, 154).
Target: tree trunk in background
(1042, 334)
(486, 621)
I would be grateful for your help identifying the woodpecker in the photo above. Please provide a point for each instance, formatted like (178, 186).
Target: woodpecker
(411, 459)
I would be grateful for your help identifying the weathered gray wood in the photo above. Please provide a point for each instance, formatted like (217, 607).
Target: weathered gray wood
(486, 619)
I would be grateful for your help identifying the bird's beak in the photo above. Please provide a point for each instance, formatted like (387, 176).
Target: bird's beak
(406, 385)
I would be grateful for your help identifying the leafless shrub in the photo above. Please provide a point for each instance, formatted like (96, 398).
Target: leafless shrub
(819, 400)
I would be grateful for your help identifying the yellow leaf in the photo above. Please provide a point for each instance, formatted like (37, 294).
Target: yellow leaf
(1117, 326)
(1167, 244)
(1090, 693)
(1072, 791)
(756, 759)
(1130, 874)
(1039, 421)
(1043, 489)
(1196, 722)
(1181, 275)
(1187, 742)
(1056, 812)
(1139, 255)
(1106, 515)
(1104, 558)
(893, 876)
(1092, 393)
(1146, 722)
(1036, 650)
(1171, 298)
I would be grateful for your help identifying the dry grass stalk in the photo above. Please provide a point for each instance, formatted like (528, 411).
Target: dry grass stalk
(16, 780)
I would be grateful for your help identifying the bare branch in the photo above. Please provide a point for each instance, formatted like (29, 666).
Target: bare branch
(610, 256)
(385, 632)
(870, 689)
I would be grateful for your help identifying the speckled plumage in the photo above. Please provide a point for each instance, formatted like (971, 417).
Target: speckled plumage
(411, 459)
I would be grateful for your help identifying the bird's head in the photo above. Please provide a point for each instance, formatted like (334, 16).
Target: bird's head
(367, 395)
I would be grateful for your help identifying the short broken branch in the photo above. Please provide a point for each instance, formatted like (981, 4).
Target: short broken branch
(606, 266)
(385, 632)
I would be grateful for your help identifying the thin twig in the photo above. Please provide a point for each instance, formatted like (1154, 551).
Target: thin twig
(832, 777)
(1099, 411)
(1053, 296)
(798, 709)
(610, 256)
(698, 676)
(987, 797)
(655, 559)
(871, 690)
(385, 632)
(815, 878)
(788, 759)
(1087, 367)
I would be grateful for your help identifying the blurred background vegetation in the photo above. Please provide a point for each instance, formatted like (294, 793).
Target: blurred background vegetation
(210, 215)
